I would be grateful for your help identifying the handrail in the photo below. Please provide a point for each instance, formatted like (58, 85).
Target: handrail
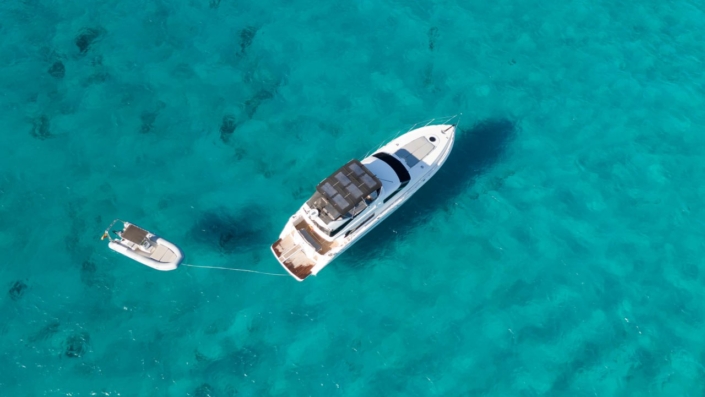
(107, 230)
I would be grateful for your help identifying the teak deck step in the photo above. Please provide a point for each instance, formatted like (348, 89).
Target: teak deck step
(299, 264)
(292, 256)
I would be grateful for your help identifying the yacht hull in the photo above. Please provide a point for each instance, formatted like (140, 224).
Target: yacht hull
(303, 250)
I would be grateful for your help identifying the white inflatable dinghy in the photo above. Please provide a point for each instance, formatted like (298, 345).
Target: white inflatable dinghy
(143, 246)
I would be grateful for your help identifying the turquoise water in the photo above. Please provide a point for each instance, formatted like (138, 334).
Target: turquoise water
(556, 253)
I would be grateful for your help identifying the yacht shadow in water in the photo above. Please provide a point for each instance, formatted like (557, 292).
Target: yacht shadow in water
(475, 150)
(228, 233)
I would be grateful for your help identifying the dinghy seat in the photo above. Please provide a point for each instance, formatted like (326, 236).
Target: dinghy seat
(134, 234)
(163, 254)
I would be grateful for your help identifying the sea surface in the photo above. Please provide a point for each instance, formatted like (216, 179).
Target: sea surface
(558, 252)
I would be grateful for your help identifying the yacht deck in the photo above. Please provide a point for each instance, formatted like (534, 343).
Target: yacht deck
(292, 254)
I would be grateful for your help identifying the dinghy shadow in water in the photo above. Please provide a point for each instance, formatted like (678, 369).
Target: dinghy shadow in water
(143, 246)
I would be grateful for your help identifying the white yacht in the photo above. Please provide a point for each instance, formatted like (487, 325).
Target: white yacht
(360, 195)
